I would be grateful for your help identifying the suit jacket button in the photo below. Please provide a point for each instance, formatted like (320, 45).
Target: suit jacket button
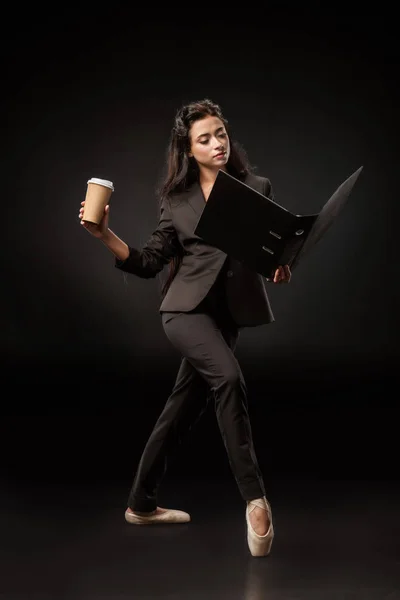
(229, 274)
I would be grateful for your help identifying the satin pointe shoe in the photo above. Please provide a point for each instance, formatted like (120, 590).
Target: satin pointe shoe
(161, 515)
(259, 545)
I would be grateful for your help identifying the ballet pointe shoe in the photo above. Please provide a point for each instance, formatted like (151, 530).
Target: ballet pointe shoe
(259, 545)
(161, 515)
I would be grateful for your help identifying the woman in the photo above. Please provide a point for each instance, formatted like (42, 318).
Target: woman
(206, 299)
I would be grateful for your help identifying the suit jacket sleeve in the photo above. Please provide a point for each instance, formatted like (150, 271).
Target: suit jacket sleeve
(159, 249)
(268, 191)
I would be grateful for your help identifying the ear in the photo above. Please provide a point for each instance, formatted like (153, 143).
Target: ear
(190, 154)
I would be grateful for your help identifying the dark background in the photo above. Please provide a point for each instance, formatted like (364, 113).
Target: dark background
(311, 94)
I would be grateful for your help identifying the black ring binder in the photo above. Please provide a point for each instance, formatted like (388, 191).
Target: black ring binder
(259, 232)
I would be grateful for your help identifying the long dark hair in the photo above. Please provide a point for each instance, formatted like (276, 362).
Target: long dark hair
(182, 171)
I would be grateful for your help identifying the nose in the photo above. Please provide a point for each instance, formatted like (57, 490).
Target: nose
(218, 146)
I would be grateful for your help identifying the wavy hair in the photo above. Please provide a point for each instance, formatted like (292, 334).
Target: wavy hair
(182, 171)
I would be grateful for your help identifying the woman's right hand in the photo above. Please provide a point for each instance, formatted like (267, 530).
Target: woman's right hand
(99, 230)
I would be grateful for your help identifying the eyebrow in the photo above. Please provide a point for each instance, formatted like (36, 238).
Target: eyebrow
(203, 134)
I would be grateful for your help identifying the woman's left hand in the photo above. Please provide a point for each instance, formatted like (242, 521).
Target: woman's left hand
(283, 274)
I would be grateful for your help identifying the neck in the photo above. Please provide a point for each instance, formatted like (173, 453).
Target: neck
(208, 176)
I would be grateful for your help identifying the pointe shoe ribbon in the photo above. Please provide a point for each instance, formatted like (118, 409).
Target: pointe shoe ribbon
(165, 515)
(259, 545)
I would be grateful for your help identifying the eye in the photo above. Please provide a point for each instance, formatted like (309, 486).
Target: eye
(204, 142)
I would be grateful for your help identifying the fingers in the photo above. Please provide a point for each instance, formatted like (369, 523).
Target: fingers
(81, 211)
(279, 274)
(282, 274)
(91, 227)
(82, 222)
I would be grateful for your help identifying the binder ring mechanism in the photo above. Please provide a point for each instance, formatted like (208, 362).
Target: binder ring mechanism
(279, 237)
(275, 235)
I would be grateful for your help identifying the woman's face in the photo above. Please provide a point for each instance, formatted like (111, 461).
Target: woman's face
(209, 143)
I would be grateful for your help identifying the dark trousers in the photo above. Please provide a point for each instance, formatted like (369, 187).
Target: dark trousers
(208, 369)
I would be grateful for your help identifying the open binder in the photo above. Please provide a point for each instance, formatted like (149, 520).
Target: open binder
(257, 231)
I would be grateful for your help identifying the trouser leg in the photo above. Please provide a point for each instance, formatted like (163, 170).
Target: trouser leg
(183, 409)
(209, 349)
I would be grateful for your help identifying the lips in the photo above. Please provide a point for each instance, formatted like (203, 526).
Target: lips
(220, 154)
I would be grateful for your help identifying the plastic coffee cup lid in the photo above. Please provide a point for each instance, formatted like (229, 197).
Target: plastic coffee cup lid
(104, 182)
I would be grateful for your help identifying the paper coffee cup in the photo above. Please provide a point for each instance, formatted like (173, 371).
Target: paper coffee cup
(98, 195)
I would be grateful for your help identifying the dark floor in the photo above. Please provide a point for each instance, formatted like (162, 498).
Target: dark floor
(335, 540)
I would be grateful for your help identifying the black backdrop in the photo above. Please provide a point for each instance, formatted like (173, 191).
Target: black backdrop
(86, 366)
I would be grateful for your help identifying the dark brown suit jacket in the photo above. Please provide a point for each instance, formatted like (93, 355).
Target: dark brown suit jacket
(246, 294)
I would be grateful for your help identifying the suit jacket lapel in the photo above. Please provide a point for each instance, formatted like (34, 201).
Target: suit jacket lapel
(196, 198)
